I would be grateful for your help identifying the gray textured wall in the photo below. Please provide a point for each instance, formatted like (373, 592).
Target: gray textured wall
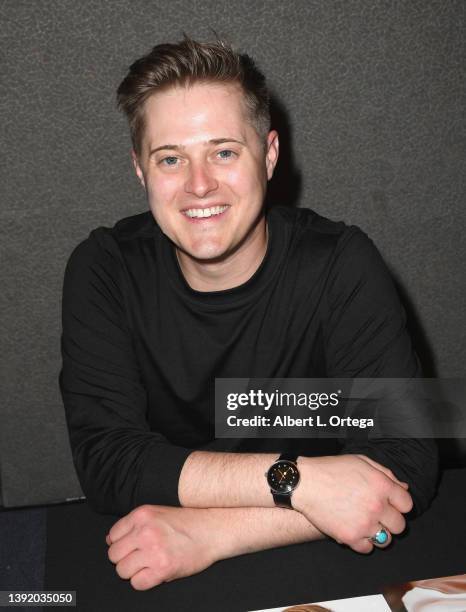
(372, 98)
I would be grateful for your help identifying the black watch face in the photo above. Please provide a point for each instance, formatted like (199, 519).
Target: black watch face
(283, 477)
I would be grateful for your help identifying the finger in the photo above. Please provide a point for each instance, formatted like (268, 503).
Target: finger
(145, 579)
(385, 470)
(120, 529)
(400, 499)
(363, 546)
(108, 540)
(377, 530)
(130, 565)
(120, 549)
(393, 520)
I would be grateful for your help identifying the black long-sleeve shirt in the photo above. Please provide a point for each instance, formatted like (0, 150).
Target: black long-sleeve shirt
(141, 350)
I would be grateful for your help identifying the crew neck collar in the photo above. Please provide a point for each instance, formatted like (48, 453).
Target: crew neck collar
(243, 292)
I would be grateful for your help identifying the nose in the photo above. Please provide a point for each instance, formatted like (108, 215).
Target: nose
(200, 180)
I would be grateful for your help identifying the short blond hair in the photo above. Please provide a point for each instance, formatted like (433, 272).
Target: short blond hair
(188, 62)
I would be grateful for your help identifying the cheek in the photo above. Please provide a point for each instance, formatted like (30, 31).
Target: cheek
(243, 181)
(161, 191)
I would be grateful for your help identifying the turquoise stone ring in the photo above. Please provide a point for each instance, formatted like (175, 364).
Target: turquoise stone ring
(381, 537)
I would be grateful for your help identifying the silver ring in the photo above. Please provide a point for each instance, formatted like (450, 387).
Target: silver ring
(381, 537)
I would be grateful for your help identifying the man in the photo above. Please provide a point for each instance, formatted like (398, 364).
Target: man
(207, 285)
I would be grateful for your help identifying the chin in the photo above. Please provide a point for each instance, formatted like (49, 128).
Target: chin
(207, 255)
(206, 252)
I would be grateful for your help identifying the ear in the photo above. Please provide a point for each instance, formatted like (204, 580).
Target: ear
(271, 156)
(138, 168)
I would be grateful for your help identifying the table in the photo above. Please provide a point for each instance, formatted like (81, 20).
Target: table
(433, 545)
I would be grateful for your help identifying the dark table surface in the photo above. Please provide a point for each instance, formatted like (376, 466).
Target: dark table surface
(433, 545)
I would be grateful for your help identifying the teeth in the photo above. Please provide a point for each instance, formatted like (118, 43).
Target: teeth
(204, 212)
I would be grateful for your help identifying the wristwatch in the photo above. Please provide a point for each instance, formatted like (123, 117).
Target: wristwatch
(283, 478)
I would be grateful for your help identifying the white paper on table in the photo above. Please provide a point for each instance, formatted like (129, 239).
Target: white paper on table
(368, 603)
(421, 599)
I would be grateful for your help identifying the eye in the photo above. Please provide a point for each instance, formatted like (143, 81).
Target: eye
(171, 160)
(226, 154)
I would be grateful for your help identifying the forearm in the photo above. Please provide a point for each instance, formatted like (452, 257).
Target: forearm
(238, 480)
(239, 531)
(345, 497)
(225, 480)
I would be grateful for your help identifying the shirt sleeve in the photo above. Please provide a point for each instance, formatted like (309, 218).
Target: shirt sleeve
(118, 458)
(366, 337)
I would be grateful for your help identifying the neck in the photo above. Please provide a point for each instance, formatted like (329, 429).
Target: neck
(230, 271)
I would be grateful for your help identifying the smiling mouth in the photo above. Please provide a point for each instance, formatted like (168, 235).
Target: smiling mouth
(204, 213)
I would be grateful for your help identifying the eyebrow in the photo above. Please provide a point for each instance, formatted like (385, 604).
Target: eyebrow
(214, 141)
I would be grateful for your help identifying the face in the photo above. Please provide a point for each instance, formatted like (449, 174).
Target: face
(205, 170)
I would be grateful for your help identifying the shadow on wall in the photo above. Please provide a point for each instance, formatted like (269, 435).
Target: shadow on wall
(452, 450)
(286, 184)
(285, 189)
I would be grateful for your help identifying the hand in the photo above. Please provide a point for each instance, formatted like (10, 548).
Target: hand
(155, 544)
(348, 497)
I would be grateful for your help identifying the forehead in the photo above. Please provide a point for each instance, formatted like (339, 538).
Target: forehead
(202, 111)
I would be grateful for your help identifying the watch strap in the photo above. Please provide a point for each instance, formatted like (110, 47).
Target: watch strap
(281, 500)
(288, 457)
